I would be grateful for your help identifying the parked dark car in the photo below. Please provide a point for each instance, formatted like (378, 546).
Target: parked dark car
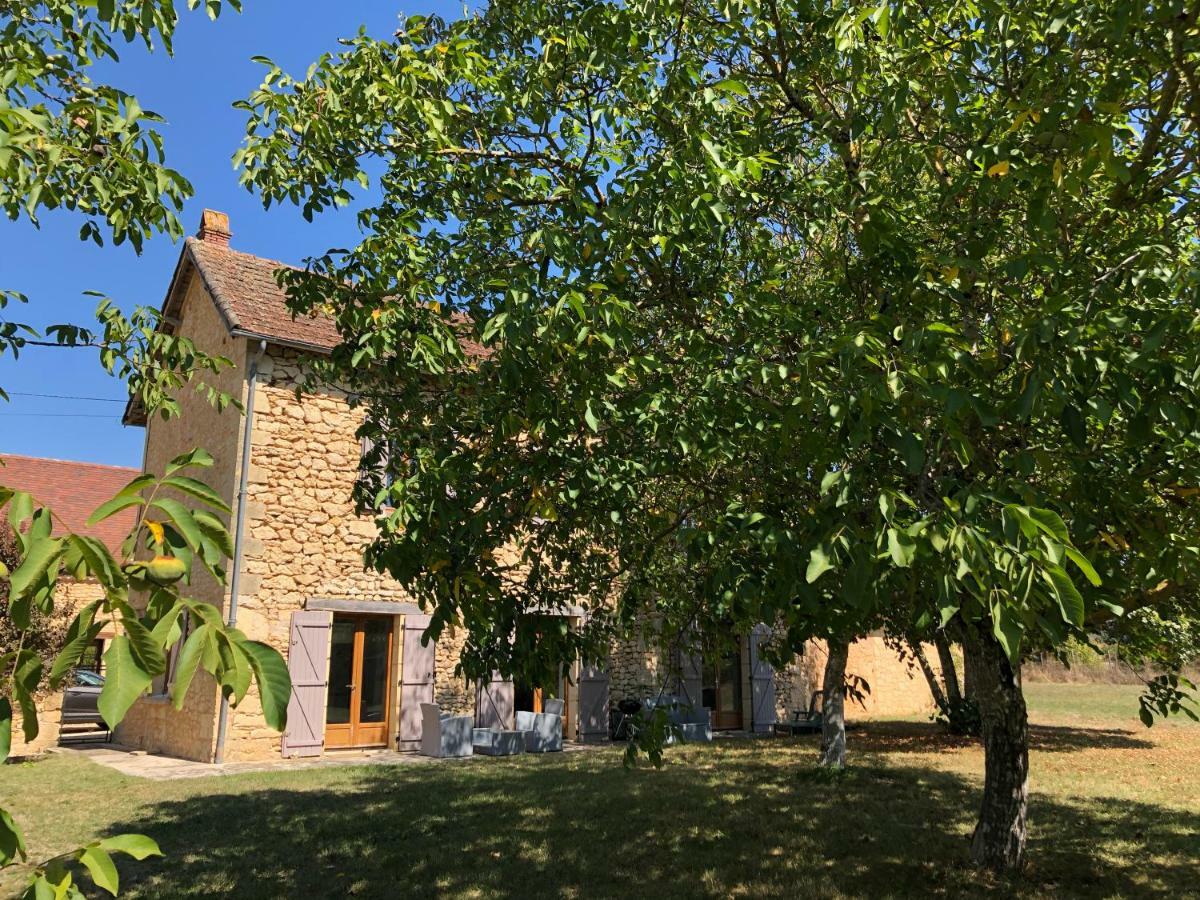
(79, 699)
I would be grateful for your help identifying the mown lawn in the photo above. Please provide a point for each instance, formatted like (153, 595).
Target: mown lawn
(1116, 812)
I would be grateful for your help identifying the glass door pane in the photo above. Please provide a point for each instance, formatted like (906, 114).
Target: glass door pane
(341, 673)
(376, 645)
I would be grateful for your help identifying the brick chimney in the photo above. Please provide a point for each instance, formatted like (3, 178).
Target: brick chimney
(214, 228)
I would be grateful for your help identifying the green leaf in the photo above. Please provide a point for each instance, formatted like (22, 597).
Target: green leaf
(1069, 599)
(136, 486)
(100, 866)
(188, 661)
(99, 560)
(125, 681)
(1007, 629)
(136, 845)
(234, 673)
(901, 548)
(732, 86)
(818, 564)
(1051, 523)
(27, 676)
(146, 650)
(37, 568)
(1073, 424)
(590, 417)
(215, 530)
(20, 508)
(1081, 562)
(197, 457)
(197, 489)
(81, 633)
(181, 518)
(274, 683)
(112, 507)
(12, 842)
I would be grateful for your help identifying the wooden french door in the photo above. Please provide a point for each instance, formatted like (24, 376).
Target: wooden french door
(723, 690)
(360, 678)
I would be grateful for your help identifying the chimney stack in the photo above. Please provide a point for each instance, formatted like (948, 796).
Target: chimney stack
(214, 228)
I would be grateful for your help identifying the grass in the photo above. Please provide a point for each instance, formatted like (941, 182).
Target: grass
(1115, 812)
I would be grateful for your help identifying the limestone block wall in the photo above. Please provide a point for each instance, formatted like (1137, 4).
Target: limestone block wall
(897, 690)
(453, 694)
(152, 724)
(304, 539)
(634, 668)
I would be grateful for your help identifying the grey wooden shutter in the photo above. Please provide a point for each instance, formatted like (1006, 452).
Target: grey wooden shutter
(417, 665)
(762, 682)
(308, 666)
(691, 674)
(593, 705)
(495, 701)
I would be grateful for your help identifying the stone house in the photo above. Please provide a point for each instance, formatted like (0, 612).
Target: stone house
(72, 491)
(352, 638)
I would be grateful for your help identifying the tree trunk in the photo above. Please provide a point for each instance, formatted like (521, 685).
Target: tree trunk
(949, 669)
(833, 706)
(935, 686)
(999, 839)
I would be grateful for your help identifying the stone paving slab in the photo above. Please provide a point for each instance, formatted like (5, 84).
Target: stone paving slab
(140, 764)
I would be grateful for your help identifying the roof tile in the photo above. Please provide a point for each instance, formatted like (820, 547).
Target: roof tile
(72, 491)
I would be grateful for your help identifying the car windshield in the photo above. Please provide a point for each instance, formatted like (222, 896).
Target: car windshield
(88, 679)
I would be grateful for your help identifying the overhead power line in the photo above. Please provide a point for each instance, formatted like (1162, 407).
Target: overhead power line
(67, 397)
(61, 415)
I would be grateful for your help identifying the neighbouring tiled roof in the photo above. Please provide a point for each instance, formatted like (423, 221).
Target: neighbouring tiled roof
(72, 491)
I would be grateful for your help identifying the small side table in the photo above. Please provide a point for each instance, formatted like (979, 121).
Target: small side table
(490, 742)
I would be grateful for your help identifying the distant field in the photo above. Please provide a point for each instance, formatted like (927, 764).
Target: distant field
(1072, 702)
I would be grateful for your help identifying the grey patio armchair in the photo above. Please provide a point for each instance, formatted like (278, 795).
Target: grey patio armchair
(543, 731)
(444, 736)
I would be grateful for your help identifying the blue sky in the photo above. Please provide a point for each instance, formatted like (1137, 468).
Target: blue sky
(195, 91)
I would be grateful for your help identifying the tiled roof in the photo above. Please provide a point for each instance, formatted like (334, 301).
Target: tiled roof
(245, 289)
(73, 490)
(251, 301)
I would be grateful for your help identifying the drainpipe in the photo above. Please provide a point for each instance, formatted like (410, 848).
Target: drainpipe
(239, 532)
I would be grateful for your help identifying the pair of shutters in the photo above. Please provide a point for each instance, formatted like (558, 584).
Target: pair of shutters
(762, 679)
(308, 665)
(495, 704)
(308, 655)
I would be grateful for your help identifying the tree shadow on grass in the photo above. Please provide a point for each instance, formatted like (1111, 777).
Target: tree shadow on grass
(718, 820)
(927, 737)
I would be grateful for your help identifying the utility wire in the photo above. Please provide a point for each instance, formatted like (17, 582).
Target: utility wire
(65, 397)
(61, 415)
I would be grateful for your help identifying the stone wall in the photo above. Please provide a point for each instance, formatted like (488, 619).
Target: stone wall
(152, 724)
(897, 690)
(304, 539)
(635, 667)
